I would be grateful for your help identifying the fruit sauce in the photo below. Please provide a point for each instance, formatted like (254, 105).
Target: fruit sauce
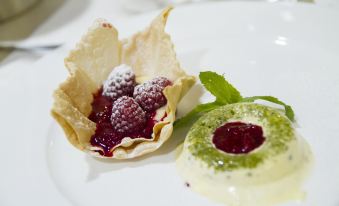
(105, 136)
(238, 137)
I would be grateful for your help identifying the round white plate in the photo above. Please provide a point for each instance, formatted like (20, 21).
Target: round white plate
(289, 51)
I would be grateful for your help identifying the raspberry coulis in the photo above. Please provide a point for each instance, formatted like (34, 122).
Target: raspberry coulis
(105, 136)
(238, 137)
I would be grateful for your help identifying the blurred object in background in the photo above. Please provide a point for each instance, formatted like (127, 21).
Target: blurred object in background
(20, 26)
(11, 8)
(138, 6)
(45, 24)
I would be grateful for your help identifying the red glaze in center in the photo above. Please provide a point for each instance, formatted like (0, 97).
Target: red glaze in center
(238, 137)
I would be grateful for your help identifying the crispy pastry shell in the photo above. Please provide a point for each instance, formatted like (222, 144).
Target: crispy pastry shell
(150, 53)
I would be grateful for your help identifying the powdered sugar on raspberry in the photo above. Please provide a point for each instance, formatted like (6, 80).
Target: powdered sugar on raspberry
(149, 94)
(120, 82)
(127, 115)
(161, 81)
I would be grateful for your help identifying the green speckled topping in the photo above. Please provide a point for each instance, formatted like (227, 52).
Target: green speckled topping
(278, 132)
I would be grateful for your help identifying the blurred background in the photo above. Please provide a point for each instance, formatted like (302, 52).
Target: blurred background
(29, 29)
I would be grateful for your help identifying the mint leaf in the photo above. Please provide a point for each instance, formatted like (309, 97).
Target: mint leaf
(288, 109)
(197, 112)
(224, 92)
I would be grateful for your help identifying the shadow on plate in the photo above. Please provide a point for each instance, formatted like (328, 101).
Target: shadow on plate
(165, 154)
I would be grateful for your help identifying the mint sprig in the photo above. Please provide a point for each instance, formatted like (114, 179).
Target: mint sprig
(288, 109)
(197, 112)
(217, 85)
(225, 94)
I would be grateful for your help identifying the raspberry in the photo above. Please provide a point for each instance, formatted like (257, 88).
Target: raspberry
(127, 116)
(120, 82)
(149, 94)
(161, 81)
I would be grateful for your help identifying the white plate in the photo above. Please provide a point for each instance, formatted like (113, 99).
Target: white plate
(289, 51)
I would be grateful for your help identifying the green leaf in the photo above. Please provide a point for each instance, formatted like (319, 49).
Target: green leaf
(288, 109)
(197, 112)
(224, 92)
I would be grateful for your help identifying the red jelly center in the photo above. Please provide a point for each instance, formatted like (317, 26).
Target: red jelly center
(105, 137)
(238, 137)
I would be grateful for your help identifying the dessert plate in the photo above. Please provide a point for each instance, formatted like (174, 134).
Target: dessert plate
(286, 50)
